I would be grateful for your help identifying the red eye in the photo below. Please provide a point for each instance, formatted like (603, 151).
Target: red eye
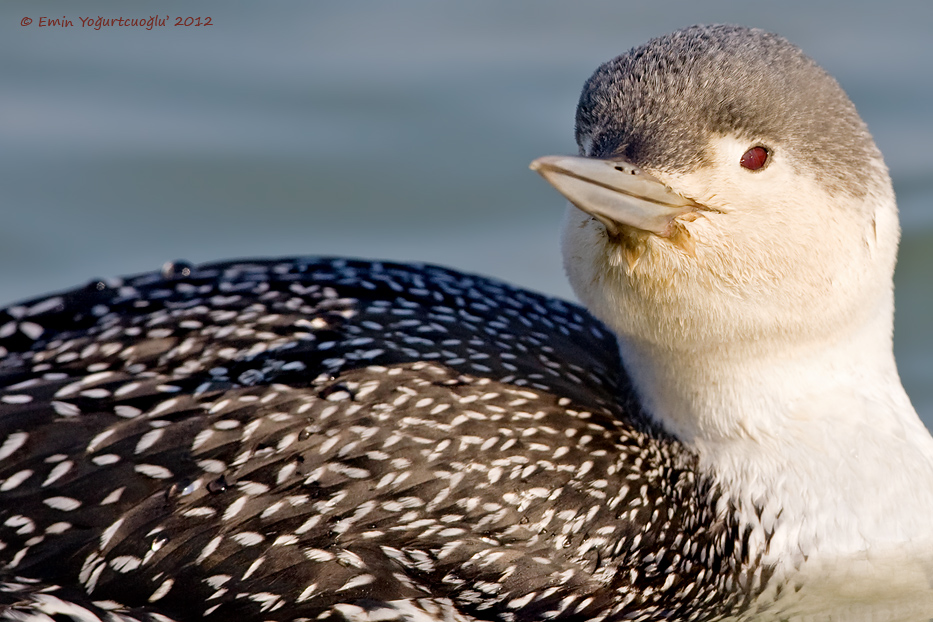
(754, 158)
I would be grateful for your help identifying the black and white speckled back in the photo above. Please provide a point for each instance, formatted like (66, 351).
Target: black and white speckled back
(305, 438)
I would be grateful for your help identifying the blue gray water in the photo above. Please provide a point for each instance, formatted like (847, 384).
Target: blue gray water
(399, 130)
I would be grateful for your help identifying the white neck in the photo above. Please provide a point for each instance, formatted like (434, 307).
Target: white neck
(814, 443)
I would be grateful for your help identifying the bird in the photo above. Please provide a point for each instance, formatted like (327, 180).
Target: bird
(718, 429)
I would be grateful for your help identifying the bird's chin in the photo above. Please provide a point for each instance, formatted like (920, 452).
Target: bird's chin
(605, 265)
(624, 248)
(635, 247)
(627, 278)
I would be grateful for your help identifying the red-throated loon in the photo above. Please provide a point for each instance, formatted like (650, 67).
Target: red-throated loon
(308, 438)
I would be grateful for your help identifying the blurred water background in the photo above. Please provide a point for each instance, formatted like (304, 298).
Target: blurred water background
(397, 130)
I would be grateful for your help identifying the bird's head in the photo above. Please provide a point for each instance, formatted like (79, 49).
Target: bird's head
(726, 191)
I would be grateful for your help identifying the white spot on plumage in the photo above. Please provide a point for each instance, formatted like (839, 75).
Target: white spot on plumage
(212, 466)
(518, 603)
(60, 527)
(308, 525)
(249, 429)
(58, 472)
(125, 563)
(65, 409)
(307, 593)
(209, 549)
(162, 590)
(31, 329)
(234, 508)
(248, 538)
(16, 399)
(65, 504)
(126, 389)
(147, 440)
(253, 568)
(98, 440)
(252, 488)
(12, 442)
(267, 600)
(43, 306)
(199, 512)
(126, 411)
(153, 470)
(318, 555)
(98, 393)
(218, 580)
(285, 473)
(15, 480)
(163, 407)
(109, 533)
(357, 581)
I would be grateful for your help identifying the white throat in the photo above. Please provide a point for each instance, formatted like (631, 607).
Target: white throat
(815, 445)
